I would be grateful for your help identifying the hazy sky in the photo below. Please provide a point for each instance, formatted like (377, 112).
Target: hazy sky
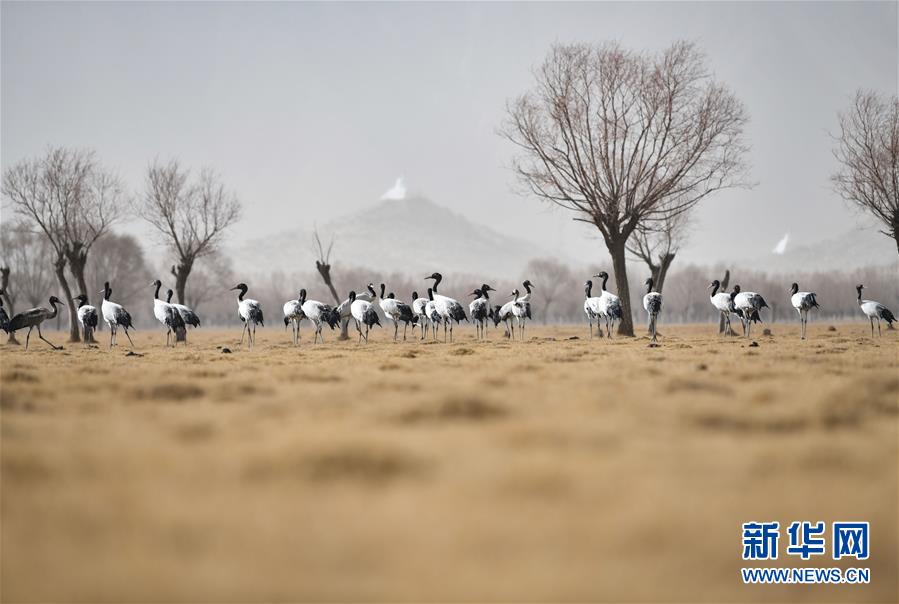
(313, 110)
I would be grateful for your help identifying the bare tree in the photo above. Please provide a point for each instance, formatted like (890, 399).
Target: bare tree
(119, 259)
(657, 243)
(868, 152)
(192, 218)
(622, 138)
(323, 266)
(73, 201)
(209, 274)
(553, 277)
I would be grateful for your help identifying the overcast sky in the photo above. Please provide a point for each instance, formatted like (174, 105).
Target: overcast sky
(313, 110)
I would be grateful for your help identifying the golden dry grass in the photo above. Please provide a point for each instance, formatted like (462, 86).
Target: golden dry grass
(553, 469)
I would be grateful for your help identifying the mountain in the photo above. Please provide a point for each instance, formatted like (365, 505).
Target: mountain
(412, 235)
(854, 249)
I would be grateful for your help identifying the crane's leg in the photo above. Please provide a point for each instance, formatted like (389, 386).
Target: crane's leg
(242, 332)
(28, 335)
(41, 336)
(879, 335)
(127, 335)
(405, 327)
(396, 331)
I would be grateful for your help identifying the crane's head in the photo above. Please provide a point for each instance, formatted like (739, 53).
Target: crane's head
(414, 296)
(352, 296)
(487, 288)
(527, 284)
(648, 282)
(514, 293)
(240, 287)
(156, 283)
(794, 288)
(859, 287)
(371, 289)
(714, 284)
(80, 298)
(435, 276)
(55, 300)
(168, 295)
(383, 287)
(302, 297)
(476, 293)
(736, 290)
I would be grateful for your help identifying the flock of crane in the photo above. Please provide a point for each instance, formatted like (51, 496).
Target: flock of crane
(425, 313)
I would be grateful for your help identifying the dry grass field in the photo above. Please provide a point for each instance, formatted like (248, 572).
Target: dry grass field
(555, 469)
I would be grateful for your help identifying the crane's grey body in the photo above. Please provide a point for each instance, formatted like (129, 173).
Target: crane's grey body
(33, 318)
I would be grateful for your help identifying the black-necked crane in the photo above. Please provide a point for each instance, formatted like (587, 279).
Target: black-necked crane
(115, 316)
(510, 312)
(87, 316)
(433, 316)
(396, 311)
(418, 307)
(526, 298)
(249, 311)
(750, 305)
(449, 309)
(479, 309)
(33, 318)
(293, 314)
(874, 311)
(320, 314)
(364, 314)
(803, 302)
(187, 314)
(724, 303)
(166, 314)
(609, 305)
(652, 303)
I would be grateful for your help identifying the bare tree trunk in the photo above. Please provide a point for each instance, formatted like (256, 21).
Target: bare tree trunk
(4, 284)
(662, 270)
(181, 273)
(77, 263)
(619, 267)
(60, 265)
(324, 269)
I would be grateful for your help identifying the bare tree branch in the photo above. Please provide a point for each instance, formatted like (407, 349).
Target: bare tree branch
(868, 152)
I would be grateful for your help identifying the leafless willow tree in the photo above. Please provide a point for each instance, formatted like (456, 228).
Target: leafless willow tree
(191, 216)
(656, 243)
(868, 152)
(623, 138)
(73, 201)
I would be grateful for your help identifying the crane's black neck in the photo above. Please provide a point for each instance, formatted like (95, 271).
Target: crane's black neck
(430, 294)
(414, 296)
(240, 296)
(649, 286)
(437, 281)
(383, 287)
(527, 286)
(859, 290)
(168, 296)
(604, 279)
(53, 303)
(715, 286)
(156, 294)
(107, 291)
(588, 289)
(484, 293)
